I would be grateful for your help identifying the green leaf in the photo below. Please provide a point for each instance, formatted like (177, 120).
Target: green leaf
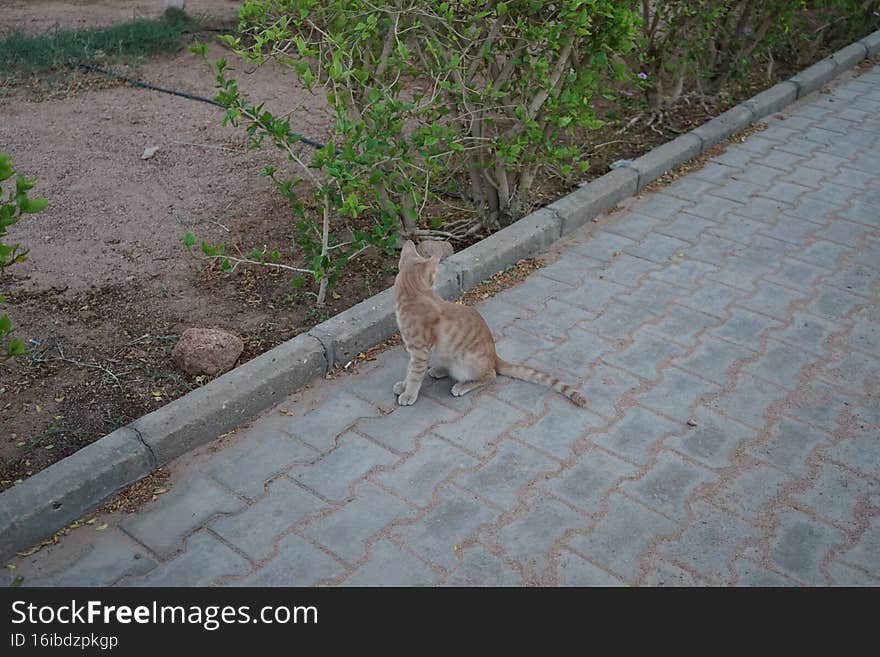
(5, 324)
(32, 205)
(16, 348)
(189, 241)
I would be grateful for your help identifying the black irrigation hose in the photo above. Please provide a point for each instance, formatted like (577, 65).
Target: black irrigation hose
(183, 94)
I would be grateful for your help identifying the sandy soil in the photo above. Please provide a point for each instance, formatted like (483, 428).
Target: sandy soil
(107, 264)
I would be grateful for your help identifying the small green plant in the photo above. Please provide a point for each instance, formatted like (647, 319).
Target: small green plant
(13, 206)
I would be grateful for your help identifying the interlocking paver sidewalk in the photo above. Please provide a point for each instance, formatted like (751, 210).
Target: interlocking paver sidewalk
(726, 332)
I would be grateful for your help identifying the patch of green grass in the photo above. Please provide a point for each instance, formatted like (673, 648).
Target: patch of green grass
(23, 55)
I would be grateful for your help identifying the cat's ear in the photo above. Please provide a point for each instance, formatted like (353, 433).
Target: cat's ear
(433, 261)
(409, 248)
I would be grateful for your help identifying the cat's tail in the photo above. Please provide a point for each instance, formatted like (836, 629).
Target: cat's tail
(539, 377)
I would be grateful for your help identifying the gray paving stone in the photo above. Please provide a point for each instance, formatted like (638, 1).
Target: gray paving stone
(602, 245)
(780, 364)
(779, 159)
(740, 274)
(676, 394)
(555, 320)
(635, 434)
(749, 573)
(865, 554)
(255, 529)
(749, 493)
(686, 226)
(843, 575)
(791, 229)
(668, 485)
(530, 537)
(713, 359)
(632, 225)
(517, 345)
(618, 320)
(574, 570)
(712, 298)
(479, 567)
(320, 427)
(834, 304)
(256, 457)
(389, 565)
(820, 405)
(621, 537)
(629, 270)
(605, 389)
(418, 476)
(709, 542)
(712, 441)
(797, 275)
(375, 381)
(808, 332)
(774, 300)
(344, 531)
(163, 525)
(658, 248)
(500, 480)
(593, 296)
(659, 205)
(572, 359)
(744, 327)
(682, 325)
(801, 544)
(398, 430)
(713, 250)
(571, 268)
(652, 295)
(108, 560)
(204, 561)
(499, 314)
(660, 572)
(530, 397)
(557, 432)
(484, 424)
(534, 291)
(454, 519)
(789, 445)
(823, 253)
(586, 483)
(737, 228)
(336, 472)
(805, 176)
(857, 279)
(750, 400)
(645, 355)
(297, 563)
(851, 369)
(836, 493)
(860, 452)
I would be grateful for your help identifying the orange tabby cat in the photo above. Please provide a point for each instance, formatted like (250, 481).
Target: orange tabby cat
(457, 336)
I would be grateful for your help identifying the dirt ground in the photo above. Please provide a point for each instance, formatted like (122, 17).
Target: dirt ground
(108, 286)
(107, 264)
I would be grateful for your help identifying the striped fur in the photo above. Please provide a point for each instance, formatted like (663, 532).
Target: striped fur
(455, 337)
(542, 378)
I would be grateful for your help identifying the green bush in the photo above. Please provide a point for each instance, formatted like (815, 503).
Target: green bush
(12, 209)
(421, 92)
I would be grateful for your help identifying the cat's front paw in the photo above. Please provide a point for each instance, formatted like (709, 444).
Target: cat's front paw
(407, 398)
(399, 387)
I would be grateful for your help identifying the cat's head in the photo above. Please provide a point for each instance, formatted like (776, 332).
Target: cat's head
(414, 265)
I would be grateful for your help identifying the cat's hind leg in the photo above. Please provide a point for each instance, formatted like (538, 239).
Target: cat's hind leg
(464, 387)
(438, 372)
